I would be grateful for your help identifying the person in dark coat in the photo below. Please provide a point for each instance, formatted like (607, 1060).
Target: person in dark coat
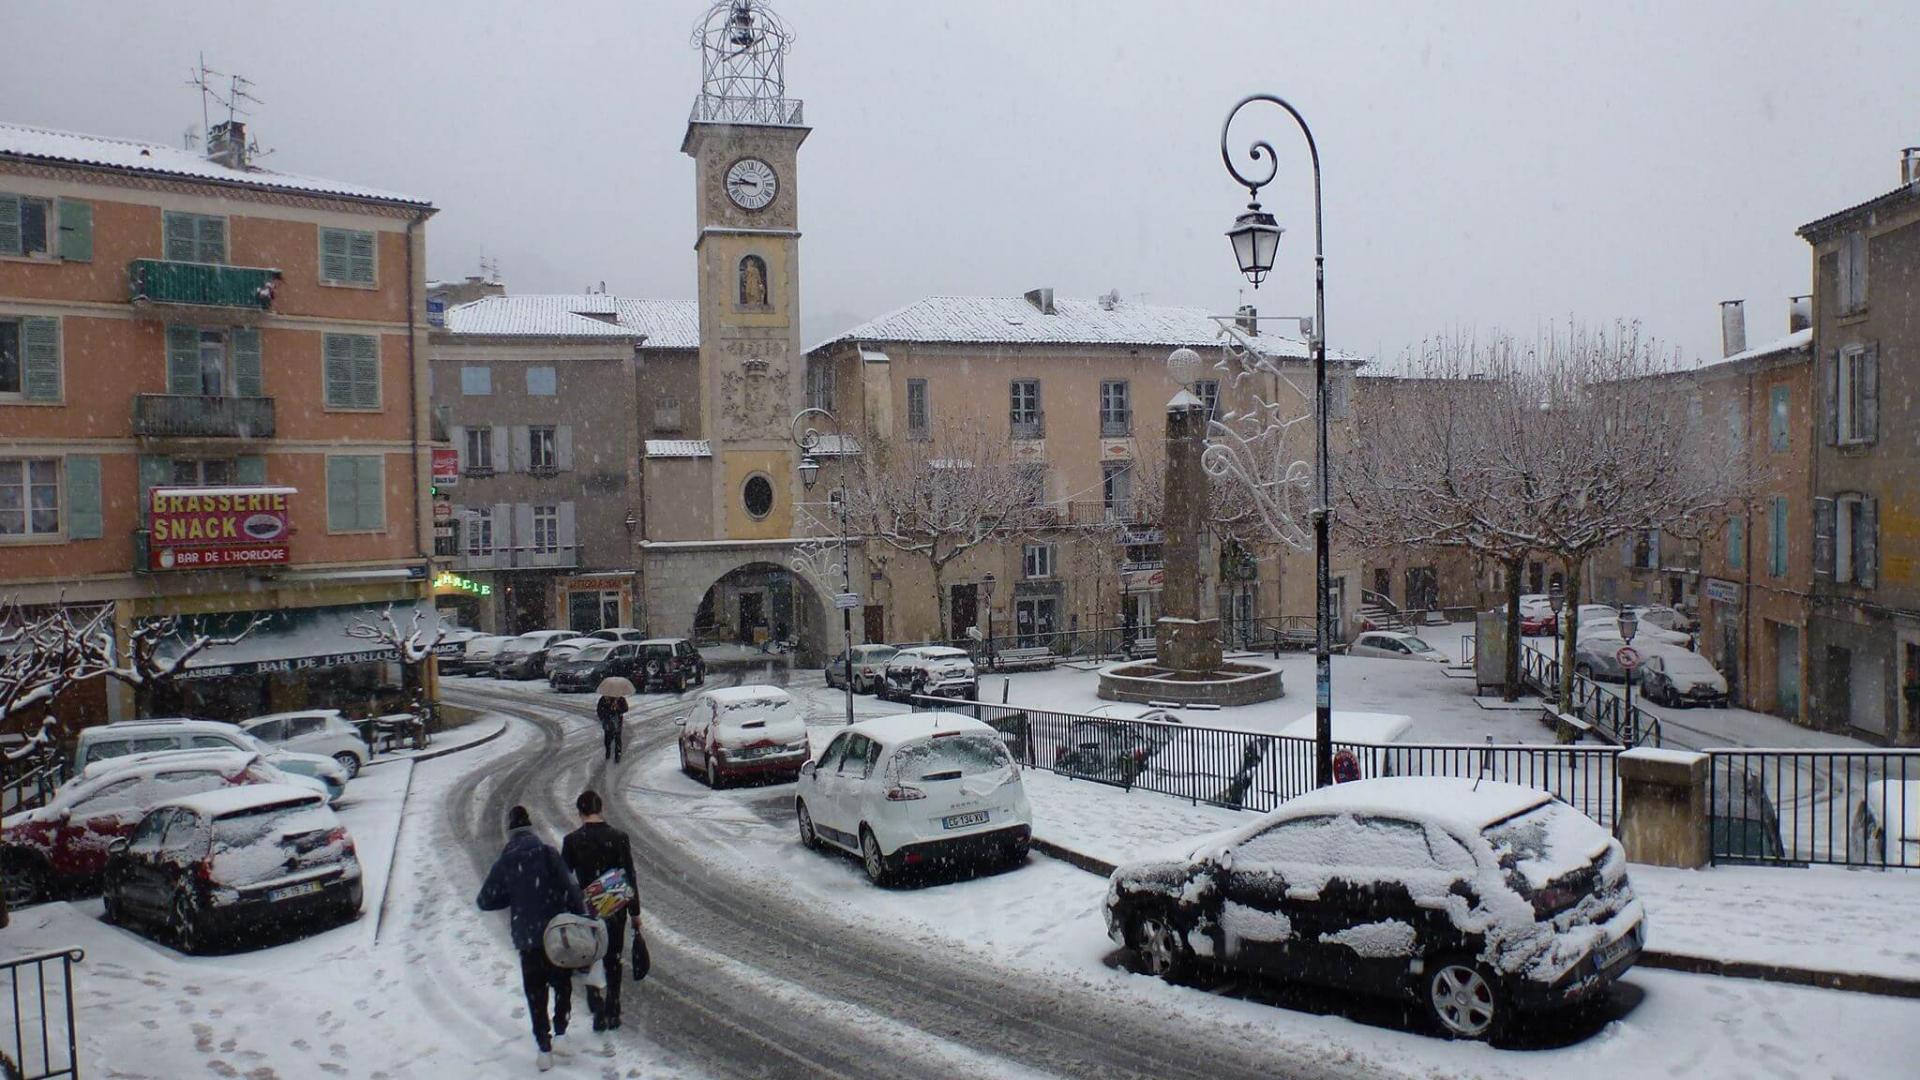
(531, 881)
(613, 714)
(590, 851)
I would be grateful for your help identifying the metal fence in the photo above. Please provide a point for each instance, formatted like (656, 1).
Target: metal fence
(39, 1043)
(29, 780)
(1255, 771)
(1122, 641)
(1594, 702)
(1819, 807)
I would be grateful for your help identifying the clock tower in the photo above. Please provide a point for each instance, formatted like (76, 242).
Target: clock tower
(744, 136)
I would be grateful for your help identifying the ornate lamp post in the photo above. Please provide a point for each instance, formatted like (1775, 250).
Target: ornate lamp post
(1256, 238)
(809, 441)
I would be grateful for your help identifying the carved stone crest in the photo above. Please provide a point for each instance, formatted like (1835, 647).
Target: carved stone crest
(753, 397)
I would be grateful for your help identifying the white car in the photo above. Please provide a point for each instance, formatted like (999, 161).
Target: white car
(1643, 633)
(127, 737)
(1886, 825)
(1393, 645)
(568, 648)
(915, 790)
(1671, 675)
(313, 731)
(938, 670)
(476, 655)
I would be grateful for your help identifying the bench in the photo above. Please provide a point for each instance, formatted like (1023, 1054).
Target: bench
(1032, 658)
(1567, 728)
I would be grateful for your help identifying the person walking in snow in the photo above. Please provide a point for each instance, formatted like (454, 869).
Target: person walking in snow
(601, 859)
(533, 883)
(613, 715)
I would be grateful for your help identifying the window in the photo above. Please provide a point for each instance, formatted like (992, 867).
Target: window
(1779, 417)
(213, 363)
(1644, 549)
(1116, 410)
(30, 359)
(201, 472)
(753, 282)
(479, 451)
(480, 531)
(1143, 556)
(1023, 409)
(29, 496)
(542, 453)
(353, 371)
(1777, 537)
(10, 365)
(1854, 540)
(757, 493)
(541, 382)
(198, 238)
(1208, 391)
(546, 530)
(356, 493)
(1302, 840)
(1737, 543)
(918, 426)
(1037, 561)
(820, 376)
(475, 380)
(1856, 395)
(346, 257)
(1116, 489)
(666, 414)
(1853, 273)
(23, 225)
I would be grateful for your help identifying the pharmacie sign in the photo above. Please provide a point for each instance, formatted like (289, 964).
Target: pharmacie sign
(207, 528)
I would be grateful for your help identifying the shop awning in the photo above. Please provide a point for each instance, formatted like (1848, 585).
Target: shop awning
(298, 639)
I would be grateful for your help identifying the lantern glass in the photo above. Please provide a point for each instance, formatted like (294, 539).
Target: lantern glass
(1256, 241)
(809, 470)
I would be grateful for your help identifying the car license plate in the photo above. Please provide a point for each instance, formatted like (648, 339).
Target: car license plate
(961, 821)
(1608, 954)
(292, 891)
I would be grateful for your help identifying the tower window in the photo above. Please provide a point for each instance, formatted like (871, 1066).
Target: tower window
(753, 282)
(758, 495)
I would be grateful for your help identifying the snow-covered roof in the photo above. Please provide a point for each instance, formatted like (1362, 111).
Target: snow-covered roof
(1466, 806)
(1798, 340)
(679, 448)
(1014, 320)
(666, 324)
(242, 797)
(831, 445)
(891, 731)
(99, 151)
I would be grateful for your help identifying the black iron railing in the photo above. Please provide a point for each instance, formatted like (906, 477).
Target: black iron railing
(1823, 807)
(1592, 701)
(193, 416)
(39, 1042)
(29, 775)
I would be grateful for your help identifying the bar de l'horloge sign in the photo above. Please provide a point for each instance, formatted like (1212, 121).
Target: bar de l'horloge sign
(209, 528)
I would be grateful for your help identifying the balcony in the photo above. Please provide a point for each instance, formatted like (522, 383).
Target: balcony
(518, 557)
(181, 416)
(1119, 512)
(173, 285)
(1030, 425)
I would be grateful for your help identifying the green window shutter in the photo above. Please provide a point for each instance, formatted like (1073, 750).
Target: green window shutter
(245, 352)
(370, 494)
(250, 469)
(183, 361)
(83, 497)
(156, 470)
(40, 344)
(333, 255)
(212, 239)
(340, 499)
(180, 238)
(76, 230)
(9, 224)
(339, 363)
(360, 258)
(366, 371)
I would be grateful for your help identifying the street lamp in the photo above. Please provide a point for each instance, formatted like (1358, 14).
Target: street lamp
(809, 442)
(1256, 239)
(986, 586)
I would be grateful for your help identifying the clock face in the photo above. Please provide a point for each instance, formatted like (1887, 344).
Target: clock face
(751, 183)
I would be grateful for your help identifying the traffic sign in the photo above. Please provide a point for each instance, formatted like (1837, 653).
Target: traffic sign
(846, 601)
(1628, 656)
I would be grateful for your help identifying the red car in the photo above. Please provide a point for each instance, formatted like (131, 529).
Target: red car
(1534, 626)
(741, 731)
(60, 849)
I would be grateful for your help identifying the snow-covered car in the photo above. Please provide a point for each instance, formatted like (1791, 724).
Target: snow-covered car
(741, 731)
(1394, 645)
(913, 791)
(525, 657)
(1537, 615)
(1479, 900)
(618, 633)
(60, 848)
(583, 670)
(1676, 676)
(670, 664)
(326, 732)
(1886, 825)
(204, 864)
(869, 664)
(1118, 746)
(1643, 633)
(936, 670)
(126, 737)
(476, 655)
(568, 648)
(1742, 822)
(1664, 617)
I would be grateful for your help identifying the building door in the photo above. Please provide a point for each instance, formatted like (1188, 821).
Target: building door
(1034, 620)
(1786, 670)
(1383, 582)
(1838, 703)
(965, 606)
(874, 623)
(1423, 588)
(583, 611)
(1136, 613)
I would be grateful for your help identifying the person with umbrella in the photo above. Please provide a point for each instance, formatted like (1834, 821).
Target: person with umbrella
(612, 711)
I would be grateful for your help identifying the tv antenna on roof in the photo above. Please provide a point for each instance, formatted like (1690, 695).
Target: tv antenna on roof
(237, 91)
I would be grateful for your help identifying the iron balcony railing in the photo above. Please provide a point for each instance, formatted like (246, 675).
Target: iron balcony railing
(158, 281)
(188, 416)
(715, 109)
(520, 557)
(1031, 425)
(38, 1042)
(1834, 807)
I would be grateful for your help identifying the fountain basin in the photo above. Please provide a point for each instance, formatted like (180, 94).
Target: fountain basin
(1236, 682)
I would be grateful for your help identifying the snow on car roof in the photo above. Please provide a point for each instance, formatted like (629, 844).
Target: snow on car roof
(937, 650)
(890, 731)
(230, 800)
(1354, 727)
(740, 695)
(1459, 804)
(329, 713)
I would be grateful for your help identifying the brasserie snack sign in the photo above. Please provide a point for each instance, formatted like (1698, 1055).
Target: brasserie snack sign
(206, 528)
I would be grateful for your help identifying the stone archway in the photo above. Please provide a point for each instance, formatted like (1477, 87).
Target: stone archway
(720, 594)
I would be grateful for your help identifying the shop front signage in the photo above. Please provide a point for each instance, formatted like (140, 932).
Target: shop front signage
(1134, 581)
(1726, 592)
(1117, 450)
(1137, 537)
(448, 581)
(446, 467)
(205, 528)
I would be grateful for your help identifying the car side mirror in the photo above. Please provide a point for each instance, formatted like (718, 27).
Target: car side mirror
(117, 846)
(680, 721)
(807, 769)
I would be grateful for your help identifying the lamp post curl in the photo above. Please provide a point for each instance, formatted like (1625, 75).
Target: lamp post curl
(809, 442)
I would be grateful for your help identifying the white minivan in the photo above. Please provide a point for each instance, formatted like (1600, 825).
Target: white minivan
(913, 791)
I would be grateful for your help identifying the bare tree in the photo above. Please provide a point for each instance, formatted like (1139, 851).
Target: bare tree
(154, 653)
(413, 644)
(42, 654)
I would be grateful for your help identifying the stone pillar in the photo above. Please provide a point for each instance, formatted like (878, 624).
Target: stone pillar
(1188, 634)
(1663, 813)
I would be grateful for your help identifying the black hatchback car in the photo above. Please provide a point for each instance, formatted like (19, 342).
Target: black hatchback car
(1478, 900)
(231, 859)
(669, 664)
(584, 669)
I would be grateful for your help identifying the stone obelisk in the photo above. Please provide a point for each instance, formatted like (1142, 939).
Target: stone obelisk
(1188, 632)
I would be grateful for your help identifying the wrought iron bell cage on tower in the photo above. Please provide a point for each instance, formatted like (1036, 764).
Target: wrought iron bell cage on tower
(743, 56)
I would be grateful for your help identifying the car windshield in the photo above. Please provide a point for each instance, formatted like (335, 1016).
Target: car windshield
(520, 645)
(754, 712)
(596, 652)
(1547, 842)
(949, 757)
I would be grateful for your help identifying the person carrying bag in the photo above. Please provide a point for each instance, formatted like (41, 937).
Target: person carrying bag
(601, 858)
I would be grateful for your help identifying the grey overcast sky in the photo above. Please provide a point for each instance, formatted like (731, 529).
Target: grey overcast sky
(1487, 165)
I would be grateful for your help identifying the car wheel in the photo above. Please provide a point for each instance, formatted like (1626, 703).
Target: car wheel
(183, 919)
(680, 683)
(684, 767)
(1463, 1000)
(110, 912)
(26, 882)
(713, 773)
(808, 838)
(700, 677)
(349, 761)
(871, 858)
(1017, 853)
(1162, 949)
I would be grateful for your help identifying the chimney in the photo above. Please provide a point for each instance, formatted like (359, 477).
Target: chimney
(1110, 300)
(1799, 313)
(1910, 165)
(227, 144)
(1249, 319)
(1733, 327)
(1042, 300)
